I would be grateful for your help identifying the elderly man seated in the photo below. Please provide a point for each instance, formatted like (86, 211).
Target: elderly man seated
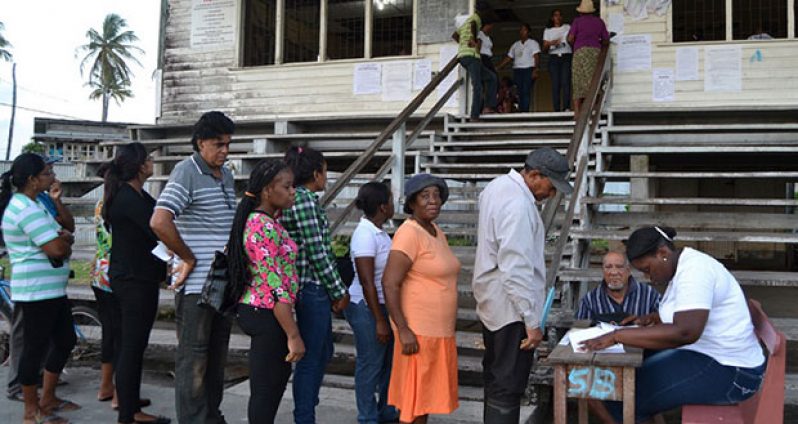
(619, 298)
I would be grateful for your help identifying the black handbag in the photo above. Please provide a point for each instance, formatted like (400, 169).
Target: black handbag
(215, 286)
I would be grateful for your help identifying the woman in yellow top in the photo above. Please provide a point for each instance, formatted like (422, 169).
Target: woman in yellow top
(420, 284)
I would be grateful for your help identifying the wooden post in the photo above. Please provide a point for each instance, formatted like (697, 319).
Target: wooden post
(583, 419)
(279, 31)
(560, 405)
(398, 168)
(322, 32)
(369, 29)
(628, 395)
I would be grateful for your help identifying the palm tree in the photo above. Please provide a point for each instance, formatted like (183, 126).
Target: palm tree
(5, 54)
(108, 53)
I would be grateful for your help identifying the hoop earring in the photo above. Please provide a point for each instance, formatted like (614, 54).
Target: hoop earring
(664, 259)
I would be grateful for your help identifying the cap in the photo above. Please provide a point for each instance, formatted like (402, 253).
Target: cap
(552, 165)
(419, 182)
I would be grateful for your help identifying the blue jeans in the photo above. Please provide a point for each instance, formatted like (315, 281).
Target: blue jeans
(314, 318)
(560, 71)
(523, 80)
(479, 75)
(372, 366)
(675, 377)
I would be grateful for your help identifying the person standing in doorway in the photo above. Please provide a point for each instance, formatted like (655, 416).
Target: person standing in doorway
(468, 54)
(555, 42)
(510, 277)
(525, 55)
(193, 218)
(320, 286)
(486, 47)
(587, 35)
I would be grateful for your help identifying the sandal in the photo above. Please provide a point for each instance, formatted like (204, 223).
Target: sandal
(62, 406)
(158, 420)
(50, 419)
(143, 403)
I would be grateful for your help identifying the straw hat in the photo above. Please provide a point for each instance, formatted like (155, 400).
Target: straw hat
(586, 7)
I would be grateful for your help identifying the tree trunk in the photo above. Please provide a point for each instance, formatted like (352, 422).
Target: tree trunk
(106, 97)
(13, 110)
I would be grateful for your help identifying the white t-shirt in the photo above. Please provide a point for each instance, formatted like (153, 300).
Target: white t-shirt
(701, 282)
(487, 44)
(368, 241)
(558, 33)
(523, 54)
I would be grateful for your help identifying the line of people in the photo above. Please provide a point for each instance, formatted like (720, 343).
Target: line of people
(573, 55)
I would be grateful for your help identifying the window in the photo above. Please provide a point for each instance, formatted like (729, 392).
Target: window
(393, 28)
(758, 17)
(259, 31)
(346, 29)
(707, 20)
(302, 19)
(699, 20)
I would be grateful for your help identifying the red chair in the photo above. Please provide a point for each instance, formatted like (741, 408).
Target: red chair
(767, 405)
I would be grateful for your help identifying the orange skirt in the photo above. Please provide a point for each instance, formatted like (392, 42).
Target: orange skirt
(424, 383)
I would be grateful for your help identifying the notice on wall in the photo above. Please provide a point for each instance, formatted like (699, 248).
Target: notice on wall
(422, 74)
(663, 85)
(367, 79)
(446, 54)
(634, 53)
(723, 68)
(687, 64)
(615, 23)
(213, 24)
(397, 81)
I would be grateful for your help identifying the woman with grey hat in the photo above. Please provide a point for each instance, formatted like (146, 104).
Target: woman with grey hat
(420, 284)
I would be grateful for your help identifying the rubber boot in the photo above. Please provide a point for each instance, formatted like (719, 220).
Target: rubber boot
(501, 413)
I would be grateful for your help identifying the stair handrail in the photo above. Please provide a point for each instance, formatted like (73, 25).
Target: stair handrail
(589, 116)
(396, 124)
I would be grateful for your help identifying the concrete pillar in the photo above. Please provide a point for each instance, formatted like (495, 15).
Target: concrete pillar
(639, 187)
(398, 167)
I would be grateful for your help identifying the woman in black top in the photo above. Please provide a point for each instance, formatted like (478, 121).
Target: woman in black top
(135, 273)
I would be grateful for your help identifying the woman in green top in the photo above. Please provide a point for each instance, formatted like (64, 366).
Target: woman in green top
(38, 249)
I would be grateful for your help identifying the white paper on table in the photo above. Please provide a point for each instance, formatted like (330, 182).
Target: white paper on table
(687, 64)
(397, 81)
(615, 23)
(723, 68)
(422, 74)
(634, 53)
(662, 85)
(162, 252)
(367, 79)
(446, 54)
(576, 337)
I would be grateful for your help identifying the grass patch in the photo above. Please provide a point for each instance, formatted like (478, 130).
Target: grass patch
(460, 241)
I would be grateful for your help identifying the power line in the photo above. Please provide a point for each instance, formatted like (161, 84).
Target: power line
(60, 115)
(38, 93)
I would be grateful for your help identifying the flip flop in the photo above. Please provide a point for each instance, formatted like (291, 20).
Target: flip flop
(17, 396)
(105, 399)
(158, 420)
(143, 403)
(64, 406)
(50, 419)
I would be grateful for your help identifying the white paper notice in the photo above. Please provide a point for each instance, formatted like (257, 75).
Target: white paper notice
(634, 53)
(663, 85)
(397, 81)
(423, 74)
(213, 24)
(446, 54)
(687, 64)
(615, 23)
(367, 79)
(723, 68)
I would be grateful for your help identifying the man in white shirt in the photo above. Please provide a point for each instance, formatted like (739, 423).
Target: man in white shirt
(525, 55)
(510, 277)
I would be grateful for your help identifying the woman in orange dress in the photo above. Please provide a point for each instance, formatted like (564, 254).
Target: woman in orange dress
(420, 284)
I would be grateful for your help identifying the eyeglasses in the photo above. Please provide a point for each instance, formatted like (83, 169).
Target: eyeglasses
(227, 197)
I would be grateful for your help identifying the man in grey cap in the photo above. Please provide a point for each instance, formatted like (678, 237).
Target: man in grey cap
(510, 277)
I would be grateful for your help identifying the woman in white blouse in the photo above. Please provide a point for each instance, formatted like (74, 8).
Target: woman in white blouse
(555, 43)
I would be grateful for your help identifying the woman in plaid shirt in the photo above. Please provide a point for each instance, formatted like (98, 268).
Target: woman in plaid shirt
(320, 287)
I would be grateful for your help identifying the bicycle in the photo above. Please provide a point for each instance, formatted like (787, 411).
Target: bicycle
(87, 323)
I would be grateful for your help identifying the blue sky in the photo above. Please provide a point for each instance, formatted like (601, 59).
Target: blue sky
(45, 34)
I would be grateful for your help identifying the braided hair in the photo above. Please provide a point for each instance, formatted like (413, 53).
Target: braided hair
(237, 260)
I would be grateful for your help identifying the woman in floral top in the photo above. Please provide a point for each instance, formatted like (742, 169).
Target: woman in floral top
(264, 279)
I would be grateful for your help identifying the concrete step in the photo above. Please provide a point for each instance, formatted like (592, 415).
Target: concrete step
(714, 236)
(744, 277)
(714, 149)
(714, 201)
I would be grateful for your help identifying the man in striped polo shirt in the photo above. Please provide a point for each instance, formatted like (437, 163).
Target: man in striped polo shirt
(193, 217)
(619, 298)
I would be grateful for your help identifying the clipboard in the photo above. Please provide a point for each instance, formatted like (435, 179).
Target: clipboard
(547, 308)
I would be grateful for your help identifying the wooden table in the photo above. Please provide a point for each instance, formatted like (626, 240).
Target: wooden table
(602, 376)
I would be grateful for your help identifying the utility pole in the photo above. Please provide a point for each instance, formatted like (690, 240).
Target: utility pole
(13, 110)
